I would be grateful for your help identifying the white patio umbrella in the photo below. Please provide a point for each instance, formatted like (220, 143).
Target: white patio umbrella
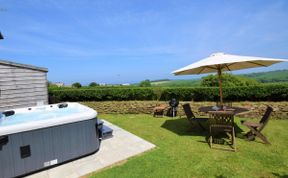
(219, 62)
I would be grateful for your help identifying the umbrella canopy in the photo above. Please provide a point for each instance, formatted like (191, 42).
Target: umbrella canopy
(226, 62)
(219, 62)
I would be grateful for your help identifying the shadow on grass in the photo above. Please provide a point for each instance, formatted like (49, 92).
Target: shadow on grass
(183, 127)
(220, 176)
(280, 176)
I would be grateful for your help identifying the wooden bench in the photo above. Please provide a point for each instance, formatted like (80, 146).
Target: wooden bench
(158, 111)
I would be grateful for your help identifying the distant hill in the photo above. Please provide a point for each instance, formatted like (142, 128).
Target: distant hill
(263, 77)
(160, 80)
(270, 77)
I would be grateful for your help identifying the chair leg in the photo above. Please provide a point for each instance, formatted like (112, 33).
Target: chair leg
(248, 134)
(196, 124)
(250, 137)
(233, 139)
(258, 134)
(200, 125)
(262, 137)
(210, 139)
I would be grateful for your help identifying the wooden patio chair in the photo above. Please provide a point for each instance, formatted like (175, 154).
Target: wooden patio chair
(158, 111)
(192, 118)
(222, 122)
(256, 128)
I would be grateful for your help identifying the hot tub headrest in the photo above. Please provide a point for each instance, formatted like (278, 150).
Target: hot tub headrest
(8, 113)
(62, 105)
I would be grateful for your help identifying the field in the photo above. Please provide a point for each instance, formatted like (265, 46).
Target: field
(263, 77)
(177, 83)
(269, 77)
(183, 152)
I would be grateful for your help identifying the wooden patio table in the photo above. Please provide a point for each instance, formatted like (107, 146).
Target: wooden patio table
(236, 110)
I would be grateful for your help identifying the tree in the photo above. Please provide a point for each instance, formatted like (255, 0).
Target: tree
(93, 84)
(228, 80)
(145, 83)
(51, 85)
(76, 85)
(158, 92)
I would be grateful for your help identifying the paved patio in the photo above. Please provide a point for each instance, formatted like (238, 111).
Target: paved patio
(121, 146)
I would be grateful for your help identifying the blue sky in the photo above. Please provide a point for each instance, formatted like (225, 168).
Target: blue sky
(120, 41)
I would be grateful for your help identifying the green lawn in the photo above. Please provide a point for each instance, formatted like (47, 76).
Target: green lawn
(182, 152)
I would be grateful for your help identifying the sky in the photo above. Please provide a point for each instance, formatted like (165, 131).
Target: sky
(126, 41)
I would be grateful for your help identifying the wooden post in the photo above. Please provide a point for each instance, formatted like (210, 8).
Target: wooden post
(220, 85)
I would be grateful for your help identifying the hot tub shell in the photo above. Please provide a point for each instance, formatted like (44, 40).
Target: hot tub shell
(26, 151)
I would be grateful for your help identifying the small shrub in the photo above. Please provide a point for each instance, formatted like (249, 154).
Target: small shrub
(158, 92)
(93, 84)
(228, 80)
(145, 83)
(77, 85)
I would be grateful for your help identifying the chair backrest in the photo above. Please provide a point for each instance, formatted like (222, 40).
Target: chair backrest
(221, 117)
(265, 117)
(188, 111)
(162, 105)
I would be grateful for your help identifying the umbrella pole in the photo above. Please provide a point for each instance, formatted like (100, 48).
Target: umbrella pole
(220, 85)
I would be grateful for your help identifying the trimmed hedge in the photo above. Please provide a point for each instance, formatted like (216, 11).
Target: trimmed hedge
(101, 94)
(268, 92)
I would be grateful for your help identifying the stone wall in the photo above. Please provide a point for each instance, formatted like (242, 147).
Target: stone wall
(256, 109)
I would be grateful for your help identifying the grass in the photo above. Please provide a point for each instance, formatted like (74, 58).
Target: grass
(183, 152)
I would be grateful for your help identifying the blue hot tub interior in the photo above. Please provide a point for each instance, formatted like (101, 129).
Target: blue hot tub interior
(36, 114)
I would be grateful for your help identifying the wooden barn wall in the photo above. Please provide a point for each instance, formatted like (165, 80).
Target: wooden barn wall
(22, 87)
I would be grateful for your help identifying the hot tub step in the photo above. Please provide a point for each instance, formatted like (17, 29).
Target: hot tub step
(107, 132)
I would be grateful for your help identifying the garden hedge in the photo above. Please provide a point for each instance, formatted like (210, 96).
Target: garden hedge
(267, 92)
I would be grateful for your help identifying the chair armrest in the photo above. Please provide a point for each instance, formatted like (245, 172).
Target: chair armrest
(252, 124)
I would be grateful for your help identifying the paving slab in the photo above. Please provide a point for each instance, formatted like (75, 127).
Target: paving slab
(118, 148)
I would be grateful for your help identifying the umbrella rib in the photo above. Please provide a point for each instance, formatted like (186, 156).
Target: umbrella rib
(230, 64)
(257, 64)
(201, 70)
(205, 68)
(227, 67)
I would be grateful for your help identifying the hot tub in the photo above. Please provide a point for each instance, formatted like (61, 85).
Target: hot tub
(36, 138)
